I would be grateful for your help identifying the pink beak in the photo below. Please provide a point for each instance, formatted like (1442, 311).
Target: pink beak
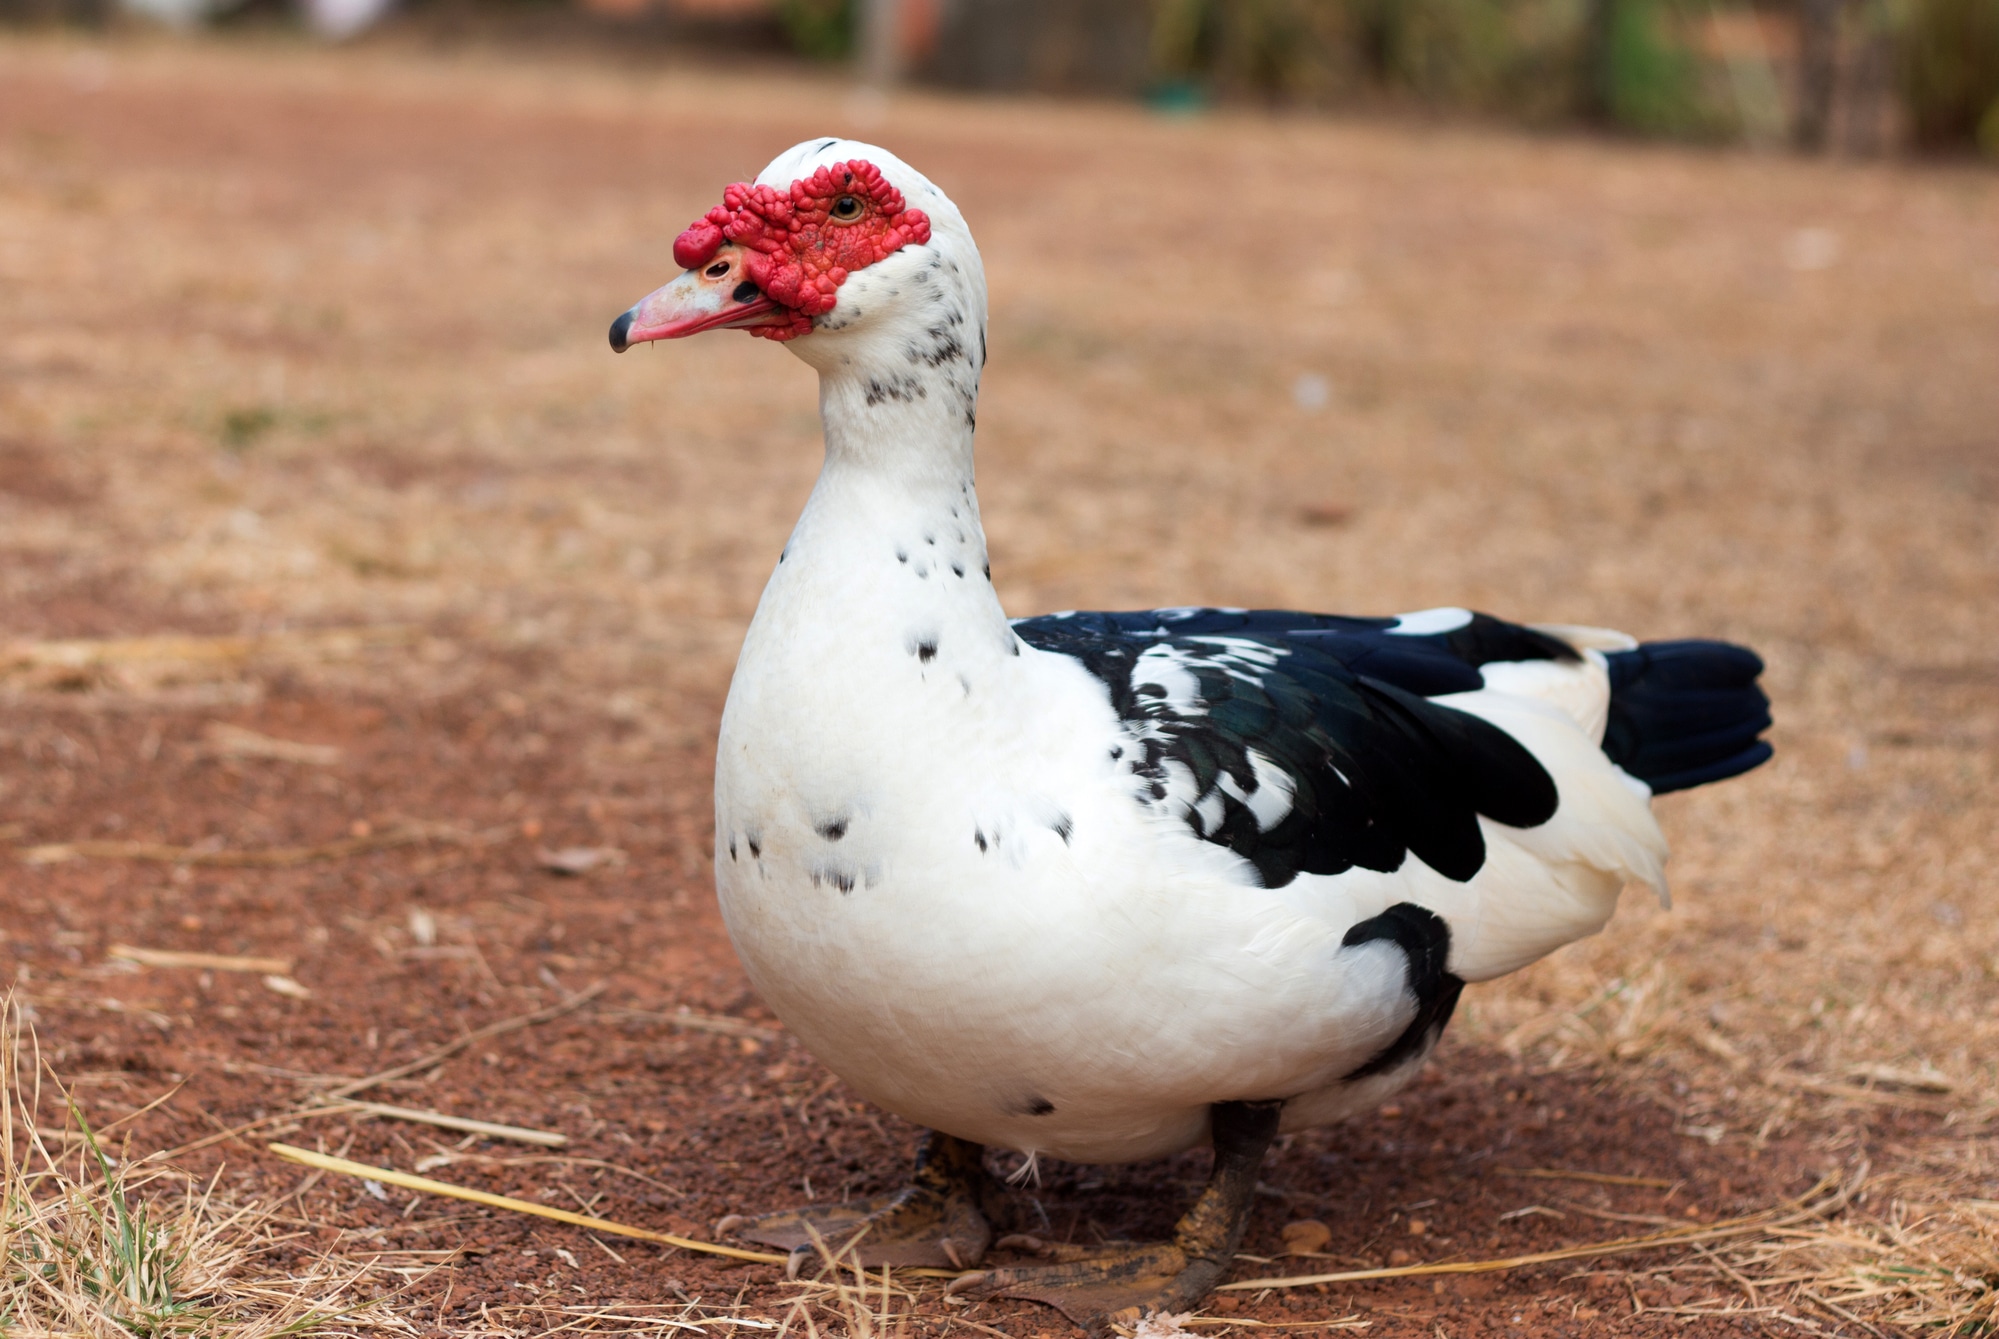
(716, 297)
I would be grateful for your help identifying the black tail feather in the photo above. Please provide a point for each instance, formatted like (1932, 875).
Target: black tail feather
(1686, 713)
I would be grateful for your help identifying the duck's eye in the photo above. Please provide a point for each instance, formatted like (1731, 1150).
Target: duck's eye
(846, 209)
(717, 270)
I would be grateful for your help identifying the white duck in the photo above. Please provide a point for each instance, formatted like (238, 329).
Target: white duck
(1102, 886)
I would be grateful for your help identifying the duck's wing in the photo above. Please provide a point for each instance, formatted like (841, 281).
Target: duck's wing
(1316, 744)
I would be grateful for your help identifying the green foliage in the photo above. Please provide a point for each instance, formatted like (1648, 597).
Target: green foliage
(823, 29)
(1623, 63)
(1538, 60)
(1455, 52)
(1950, 72)
(1650, 83)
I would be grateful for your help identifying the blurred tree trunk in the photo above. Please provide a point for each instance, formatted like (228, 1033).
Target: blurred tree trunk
(1598, 101)
(880, 33)
(1080, 46)
(1818, 72)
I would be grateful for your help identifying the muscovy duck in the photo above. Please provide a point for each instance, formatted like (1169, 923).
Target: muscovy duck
(1101, 886)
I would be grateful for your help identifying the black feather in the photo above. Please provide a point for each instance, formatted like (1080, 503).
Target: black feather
(1340, 706)
(1686, 713)
(1425, 941)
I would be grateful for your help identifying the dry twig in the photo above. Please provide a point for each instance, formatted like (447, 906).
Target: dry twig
(464, 1124)
(425, 1185)
(207, 962)
(269, 857)
(1824, 1198)
(1596, 1178)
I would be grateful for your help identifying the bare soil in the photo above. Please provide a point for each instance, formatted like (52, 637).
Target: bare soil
(301, 340)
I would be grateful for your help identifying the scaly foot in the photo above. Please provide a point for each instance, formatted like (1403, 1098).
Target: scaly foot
(936, 1220)
(1120, 1281)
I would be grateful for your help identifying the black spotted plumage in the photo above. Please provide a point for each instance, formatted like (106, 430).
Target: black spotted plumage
(1425, 941)
(1340, 707)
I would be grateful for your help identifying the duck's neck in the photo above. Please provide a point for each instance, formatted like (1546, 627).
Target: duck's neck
(902, 429)
(890, 544)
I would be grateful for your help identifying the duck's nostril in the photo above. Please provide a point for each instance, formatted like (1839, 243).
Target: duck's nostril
(746, 292)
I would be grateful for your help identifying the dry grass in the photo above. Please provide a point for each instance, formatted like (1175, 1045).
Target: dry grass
(1927, 1259)
(93, 1244)
(115, 1246)
(1927, 1264)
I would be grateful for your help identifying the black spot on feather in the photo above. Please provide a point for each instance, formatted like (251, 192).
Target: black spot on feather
(901, 388)
(944, 347)
(841, 879)
(1425, 941)
(832, 829)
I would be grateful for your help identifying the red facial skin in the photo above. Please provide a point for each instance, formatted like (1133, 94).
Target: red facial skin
(797, 252)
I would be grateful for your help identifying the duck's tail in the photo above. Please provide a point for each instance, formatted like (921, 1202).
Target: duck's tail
(1686, 713)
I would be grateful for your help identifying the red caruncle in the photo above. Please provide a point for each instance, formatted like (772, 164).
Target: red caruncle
(800, 249)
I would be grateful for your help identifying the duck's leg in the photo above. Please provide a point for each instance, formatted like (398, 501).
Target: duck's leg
(1166, 1276)
(938, 1219)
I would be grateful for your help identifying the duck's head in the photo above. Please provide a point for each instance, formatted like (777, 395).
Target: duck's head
(836, 246)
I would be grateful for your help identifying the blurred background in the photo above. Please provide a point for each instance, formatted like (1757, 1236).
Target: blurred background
(1861, 76)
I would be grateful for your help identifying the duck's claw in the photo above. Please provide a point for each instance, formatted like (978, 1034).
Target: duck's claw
(934, 1221)
(1119, 1282)
(1094, 1291)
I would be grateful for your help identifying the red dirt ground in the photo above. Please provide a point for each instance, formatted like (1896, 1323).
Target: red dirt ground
(307, 340)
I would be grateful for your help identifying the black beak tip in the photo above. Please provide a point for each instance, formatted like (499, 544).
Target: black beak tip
(620, 328)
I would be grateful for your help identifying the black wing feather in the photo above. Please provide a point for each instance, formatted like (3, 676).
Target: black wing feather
(1686, 713)
(1340, 706)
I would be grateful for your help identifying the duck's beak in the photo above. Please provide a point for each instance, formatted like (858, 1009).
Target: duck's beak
(718, 296)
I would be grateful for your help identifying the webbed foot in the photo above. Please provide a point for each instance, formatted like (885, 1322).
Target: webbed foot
(936, 1220)
(1120, 1281)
